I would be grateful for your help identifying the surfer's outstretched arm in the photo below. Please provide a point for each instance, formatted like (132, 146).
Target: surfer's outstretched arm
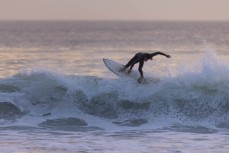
(159, 53)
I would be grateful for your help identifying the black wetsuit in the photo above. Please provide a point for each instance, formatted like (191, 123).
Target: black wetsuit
(140, 57)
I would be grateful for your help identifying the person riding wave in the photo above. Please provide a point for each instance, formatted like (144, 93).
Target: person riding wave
(141, 58)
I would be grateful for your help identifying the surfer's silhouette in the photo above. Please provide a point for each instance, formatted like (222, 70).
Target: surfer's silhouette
(141, 58)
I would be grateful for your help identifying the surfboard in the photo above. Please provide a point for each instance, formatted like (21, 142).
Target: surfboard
(115, 67)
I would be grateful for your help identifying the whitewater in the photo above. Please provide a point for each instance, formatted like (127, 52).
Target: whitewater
(56, 94)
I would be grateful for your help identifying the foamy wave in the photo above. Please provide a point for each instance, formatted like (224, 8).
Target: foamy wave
(201, 96)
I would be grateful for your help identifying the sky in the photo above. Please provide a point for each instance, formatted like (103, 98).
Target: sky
(216, 10)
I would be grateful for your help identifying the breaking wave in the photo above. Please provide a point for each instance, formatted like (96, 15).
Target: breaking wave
(196, 97)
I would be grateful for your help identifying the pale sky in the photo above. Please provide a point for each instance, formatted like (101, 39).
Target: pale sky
(114, 10)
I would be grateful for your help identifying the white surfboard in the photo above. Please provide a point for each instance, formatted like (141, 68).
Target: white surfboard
(115, 68)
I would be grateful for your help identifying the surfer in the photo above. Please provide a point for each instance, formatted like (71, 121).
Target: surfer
(141, 58)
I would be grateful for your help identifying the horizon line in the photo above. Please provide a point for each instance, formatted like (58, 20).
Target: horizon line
(114, 20)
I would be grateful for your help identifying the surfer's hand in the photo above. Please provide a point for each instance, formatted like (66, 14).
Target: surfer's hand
(168, 56)
(129, 71)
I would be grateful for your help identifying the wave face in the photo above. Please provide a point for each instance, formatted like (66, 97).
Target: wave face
(196, 97)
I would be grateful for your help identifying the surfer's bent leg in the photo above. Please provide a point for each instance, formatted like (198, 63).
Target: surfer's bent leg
(140, 68)
(130, 62)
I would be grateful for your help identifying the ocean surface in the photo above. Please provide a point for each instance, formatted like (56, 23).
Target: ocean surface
(56, 94)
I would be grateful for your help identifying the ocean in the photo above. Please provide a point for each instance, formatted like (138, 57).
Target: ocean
(56, 94)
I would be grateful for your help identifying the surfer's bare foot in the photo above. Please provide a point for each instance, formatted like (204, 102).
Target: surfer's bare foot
(140, 79)
(129, 71)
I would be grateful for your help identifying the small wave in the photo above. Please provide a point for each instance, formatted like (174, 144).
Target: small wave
(68, 124)
(8, 88)
(64, 122)
(9, 111)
